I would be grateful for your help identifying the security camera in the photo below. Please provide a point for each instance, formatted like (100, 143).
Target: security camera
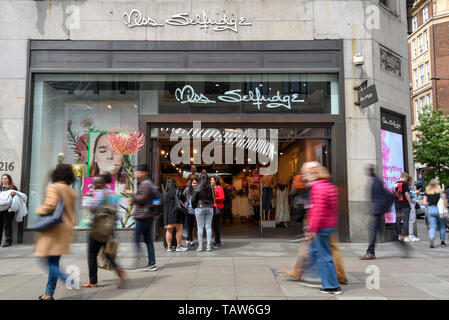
(359, 60)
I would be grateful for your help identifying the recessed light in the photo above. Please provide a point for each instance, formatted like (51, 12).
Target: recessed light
(260, 84)
(109, 106)
(217, 85)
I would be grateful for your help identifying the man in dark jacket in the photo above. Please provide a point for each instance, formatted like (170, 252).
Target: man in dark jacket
(381, 202)
(143, 200)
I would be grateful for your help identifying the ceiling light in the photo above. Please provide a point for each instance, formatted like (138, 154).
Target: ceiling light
(109, 106)
(260, 84)
(217, 85)
(162, 152)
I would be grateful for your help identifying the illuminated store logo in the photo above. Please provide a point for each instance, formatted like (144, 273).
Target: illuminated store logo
(392, 123)
(135, 18)
(188, 95)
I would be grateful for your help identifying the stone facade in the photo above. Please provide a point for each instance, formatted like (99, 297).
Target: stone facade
(364, 26)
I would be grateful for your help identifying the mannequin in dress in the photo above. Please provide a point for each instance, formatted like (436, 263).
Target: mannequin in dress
(267, 196)
(193, 173)
(77, 185)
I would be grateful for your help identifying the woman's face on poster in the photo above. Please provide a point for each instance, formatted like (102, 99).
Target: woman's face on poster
(106, 159)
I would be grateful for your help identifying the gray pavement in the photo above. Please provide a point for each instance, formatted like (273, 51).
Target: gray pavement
(245, 268)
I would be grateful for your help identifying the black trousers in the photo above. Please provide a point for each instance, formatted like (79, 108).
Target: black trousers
(190, 222)
(375, 227)
(216, 227)
(6, 223)
(92, 252)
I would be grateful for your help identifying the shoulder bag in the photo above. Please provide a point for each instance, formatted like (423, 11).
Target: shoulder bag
(48, 221)
(442, 209)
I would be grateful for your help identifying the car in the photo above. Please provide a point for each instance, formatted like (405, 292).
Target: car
(421, 212)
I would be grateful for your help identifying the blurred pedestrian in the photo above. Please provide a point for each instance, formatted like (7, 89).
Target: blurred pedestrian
(202, 202)
(104, 202)
(403, 205)
(299, 194)
(190, 216)
(430, 199)
(174, 215)
(381, 201)
(219, 198)
(413, 195)
(55, 241)
(322, 223)
(143, 215)
(6, 217)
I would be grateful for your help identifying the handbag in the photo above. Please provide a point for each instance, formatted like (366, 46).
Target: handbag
(48, 221)
(442, 209)
(180, 206)
(110, 248)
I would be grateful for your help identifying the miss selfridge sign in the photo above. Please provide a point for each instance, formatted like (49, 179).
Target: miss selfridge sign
(135, 18)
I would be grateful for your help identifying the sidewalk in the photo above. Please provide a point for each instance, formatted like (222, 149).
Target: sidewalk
(243, 269)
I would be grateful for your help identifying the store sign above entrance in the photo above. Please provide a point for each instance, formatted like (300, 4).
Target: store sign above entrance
(187, 94)
(368, 96)
(135, 18)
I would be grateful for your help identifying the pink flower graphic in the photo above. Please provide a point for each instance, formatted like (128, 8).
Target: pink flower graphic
(125, 140)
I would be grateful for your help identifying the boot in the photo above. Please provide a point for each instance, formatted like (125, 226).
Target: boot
(292, 273)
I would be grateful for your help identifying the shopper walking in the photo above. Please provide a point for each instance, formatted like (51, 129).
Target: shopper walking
(6, 217)
(143, 215)
(430, 199)
(413, 194)
(54, 242)
(381, 201)
(402, 205)
(174, 215)
(322, 220)
(219, 198)
(202, 202)
(190, 216)
(104, 202)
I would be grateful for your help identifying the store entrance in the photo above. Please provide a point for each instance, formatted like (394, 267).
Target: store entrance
(248, 163)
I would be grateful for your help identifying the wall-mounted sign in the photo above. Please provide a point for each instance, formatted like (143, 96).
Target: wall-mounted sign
(187, 94)
(135, 18)
(368, 96)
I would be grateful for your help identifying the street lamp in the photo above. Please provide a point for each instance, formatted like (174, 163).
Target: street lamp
(436, 88)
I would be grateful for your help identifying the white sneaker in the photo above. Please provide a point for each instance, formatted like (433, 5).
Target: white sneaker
(199, 249)
(169, 249)
(181, 249)
(407, 239)
(209, 249)
(416, 239)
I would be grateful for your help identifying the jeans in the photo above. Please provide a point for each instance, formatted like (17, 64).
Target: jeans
(6, 222)
(93, 248)
(435, 222)
(267, 196)
(216, 226)
(53, 274)
(404, 215)
(204, 218)
(412, 219)
(375, 227)
(189, 223)
(145, 227)
(320, 252)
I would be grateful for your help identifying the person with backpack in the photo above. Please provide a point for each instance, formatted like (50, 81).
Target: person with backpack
(403, 205)
(143, 215)
(381, 201)
(104, 210)
(174, 215)
(413, 195)
(202, 202)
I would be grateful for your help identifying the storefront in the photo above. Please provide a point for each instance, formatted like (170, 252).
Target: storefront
(288, 96)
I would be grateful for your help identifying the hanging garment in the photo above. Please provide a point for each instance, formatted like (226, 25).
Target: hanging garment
(282, 206)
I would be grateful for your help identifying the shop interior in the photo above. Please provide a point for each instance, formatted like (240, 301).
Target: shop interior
(243, 182)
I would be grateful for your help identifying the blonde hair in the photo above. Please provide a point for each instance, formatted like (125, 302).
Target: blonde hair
(320, 173)
(433, 187)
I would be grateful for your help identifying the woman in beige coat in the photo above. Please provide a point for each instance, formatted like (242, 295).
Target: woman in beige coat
(55, 242)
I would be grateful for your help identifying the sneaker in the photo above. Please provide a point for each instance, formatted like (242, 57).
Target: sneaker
(151, 268)
(209, 249)
(331, 291)
(169, 249)
(181, 249)
(401, 238)
(199, 249)
(218, 245)
(408, 239)
(443, 244)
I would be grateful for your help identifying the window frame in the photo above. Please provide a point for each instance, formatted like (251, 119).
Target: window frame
(415, 23)
(422, 75)
(425, 17)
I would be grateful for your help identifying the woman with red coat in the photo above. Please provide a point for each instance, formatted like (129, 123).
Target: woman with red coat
(323, 221)
(218, 209)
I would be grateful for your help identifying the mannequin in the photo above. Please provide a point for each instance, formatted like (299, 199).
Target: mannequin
(282, 204)
(267, 196)
(60, 158)
(78, 184)
(193, 173)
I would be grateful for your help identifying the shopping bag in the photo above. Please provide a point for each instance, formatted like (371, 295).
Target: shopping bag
(111, 249)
